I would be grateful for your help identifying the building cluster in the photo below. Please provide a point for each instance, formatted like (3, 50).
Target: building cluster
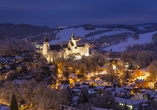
(12, 65)
(130, 96)
(136, 93)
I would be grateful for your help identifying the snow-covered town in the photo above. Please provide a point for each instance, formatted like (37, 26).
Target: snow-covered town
(78, 55)
(80, 74)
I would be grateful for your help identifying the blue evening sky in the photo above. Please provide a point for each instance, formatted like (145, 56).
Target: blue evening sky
(73, 12)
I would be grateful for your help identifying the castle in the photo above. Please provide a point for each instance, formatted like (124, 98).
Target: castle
(53, 52)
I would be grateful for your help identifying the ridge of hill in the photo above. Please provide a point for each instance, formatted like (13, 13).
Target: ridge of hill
(22, 30)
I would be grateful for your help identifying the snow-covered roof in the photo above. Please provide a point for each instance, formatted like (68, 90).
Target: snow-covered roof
(4, 107)
(76, 90)
(7, 66)
(17, 81)
(119, 89)
(142, 90)
(130, 102)
(139, 81)
(106, 84)
(84, 86)
(128, 87)
(98, 80)
(96, 108)
(151, 93)
(19, 57)
(99, 87)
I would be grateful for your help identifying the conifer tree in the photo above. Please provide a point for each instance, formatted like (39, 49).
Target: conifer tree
(83, 98)
(13, 103)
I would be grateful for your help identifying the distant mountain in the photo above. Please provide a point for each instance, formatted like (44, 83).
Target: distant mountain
(22, 30)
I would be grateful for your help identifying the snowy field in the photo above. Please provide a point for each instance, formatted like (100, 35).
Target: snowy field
(65, 34)
(4, 107)
(114, 32)
(142, 27)
(144, 38)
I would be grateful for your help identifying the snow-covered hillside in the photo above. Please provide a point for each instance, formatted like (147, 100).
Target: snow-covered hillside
(142, 27)
(113, 32)
(144, 38)
(65, 34)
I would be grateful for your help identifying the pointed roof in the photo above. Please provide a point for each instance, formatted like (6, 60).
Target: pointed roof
(46, 40)
(57, 47)
(73, 36)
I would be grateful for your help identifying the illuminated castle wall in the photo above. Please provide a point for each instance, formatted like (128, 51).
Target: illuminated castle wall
(53, 52)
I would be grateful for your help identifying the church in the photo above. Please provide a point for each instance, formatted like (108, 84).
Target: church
(65, 50)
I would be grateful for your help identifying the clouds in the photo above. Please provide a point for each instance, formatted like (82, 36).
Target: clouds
(70, 12)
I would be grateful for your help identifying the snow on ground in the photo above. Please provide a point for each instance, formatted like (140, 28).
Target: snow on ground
(65, 34)
(144, 38)
(142, 27)
(2, 107)
(95, 108)
(114, 32)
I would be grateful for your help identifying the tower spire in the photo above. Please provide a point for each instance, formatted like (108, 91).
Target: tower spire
(73, 36)
(46, 39)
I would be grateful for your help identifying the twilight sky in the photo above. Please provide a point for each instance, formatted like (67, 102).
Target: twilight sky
(73, 12)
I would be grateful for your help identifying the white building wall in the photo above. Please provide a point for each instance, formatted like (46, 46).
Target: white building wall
(53, 55)
(45, 48)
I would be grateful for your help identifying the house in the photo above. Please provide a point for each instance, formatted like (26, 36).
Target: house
(4, 73)
(141, 83)
(130, 103)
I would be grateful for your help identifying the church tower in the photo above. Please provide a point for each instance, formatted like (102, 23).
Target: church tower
(73, 40)
(45, 46)
(72, 44)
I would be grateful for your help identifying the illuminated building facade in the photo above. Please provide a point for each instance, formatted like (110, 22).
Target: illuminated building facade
(53, 52)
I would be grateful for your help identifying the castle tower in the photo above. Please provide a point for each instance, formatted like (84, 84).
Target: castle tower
(73, 39)
(45, 46)
(72, 43)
